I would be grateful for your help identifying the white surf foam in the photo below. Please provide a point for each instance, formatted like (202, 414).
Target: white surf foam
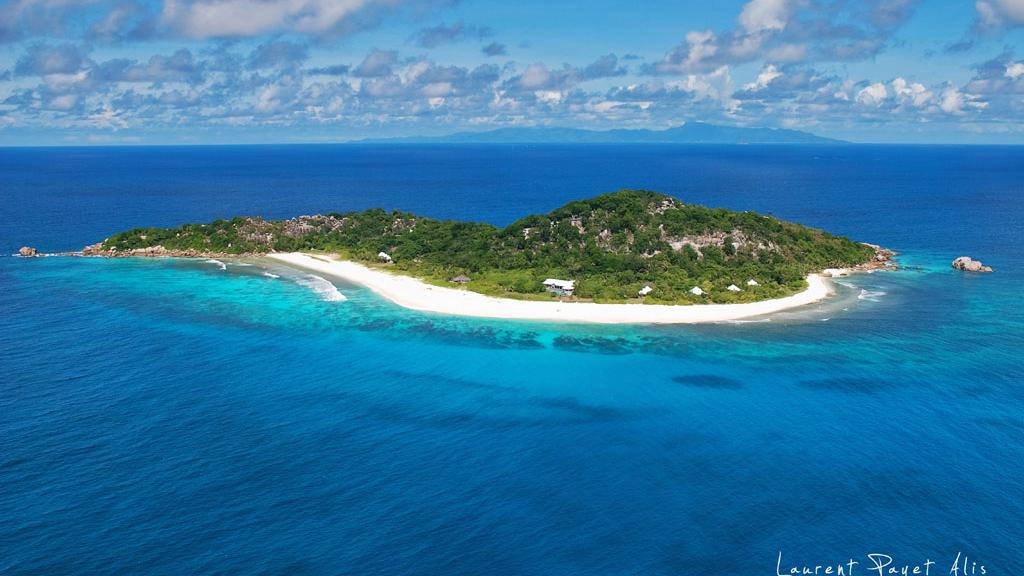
(327, 291)
(870, 295)
(270, 275)
(222, 265)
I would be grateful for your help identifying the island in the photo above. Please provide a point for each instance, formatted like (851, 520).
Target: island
(688, 133)
(628, 256)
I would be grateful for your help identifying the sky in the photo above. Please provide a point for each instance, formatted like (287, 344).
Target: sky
(76, 72)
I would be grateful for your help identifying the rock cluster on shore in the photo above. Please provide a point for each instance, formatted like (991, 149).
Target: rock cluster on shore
(28, 252)
(882, 260)
(156, 252)
(968, 264)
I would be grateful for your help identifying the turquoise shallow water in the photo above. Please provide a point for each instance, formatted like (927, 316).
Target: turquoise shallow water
(170, 416)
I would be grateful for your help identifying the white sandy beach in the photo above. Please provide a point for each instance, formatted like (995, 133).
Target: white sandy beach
(412, 293)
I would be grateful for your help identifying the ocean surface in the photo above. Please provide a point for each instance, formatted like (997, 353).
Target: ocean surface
(203, 417)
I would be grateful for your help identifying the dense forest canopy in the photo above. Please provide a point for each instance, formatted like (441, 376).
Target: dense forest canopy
(612, 246)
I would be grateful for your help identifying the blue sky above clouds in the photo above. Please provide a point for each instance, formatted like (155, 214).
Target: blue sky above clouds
(207, 71)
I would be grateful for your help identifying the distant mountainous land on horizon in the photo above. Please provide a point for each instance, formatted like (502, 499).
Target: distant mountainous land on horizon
(689, 133)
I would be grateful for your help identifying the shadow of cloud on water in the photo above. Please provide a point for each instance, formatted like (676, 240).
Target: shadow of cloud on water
(457, 402)
(709, 381)
(438, 380)
(581, 412)
(849, 385)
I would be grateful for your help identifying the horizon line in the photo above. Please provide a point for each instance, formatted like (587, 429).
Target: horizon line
(836, 144)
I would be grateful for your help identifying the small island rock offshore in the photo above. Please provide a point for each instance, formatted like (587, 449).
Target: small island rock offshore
(627, 247)
(968, 264)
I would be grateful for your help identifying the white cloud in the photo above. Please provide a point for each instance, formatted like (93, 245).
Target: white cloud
(108, 118)
(604, 106)
(993, 14)
(873, 95)
(764, 15)
(241, 18)
(62, 82)
(536, 75)
(788, 53)
(764, 77)
(953, 101)
(702, 47)
(63, 102)
(437, 89)
(770, 31)
(1015, 70)
(549, 96)
(715, 86)
(913, 93)
(377, 63)
(746, 47)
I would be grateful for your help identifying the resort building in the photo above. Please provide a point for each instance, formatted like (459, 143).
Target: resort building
(645, 291)
(696, 291)
(733, 288)
(752, 282)
(384, 256)
(560, 287)
(461, 279)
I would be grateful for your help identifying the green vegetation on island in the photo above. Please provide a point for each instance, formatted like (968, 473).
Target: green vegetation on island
(612, 246)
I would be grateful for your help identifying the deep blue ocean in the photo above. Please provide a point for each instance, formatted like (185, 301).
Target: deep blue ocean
(182, 417)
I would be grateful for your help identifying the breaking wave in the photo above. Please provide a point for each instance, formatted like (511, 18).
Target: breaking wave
(222, 265)
(870, 295)
(327, 291)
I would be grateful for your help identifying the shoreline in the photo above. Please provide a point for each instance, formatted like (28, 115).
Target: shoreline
(414, 294)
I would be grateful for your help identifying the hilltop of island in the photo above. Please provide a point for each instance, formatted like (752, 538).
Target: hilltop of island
(689, 133)
(612, 248)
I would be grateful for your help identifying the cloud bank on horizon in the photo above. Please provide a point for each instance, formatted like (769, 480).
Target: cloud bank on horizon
(167, 71)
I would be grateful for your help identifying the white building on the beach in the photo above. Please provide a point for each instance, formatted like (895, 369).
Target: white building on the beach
(733, 288)
(384, 256)
(645, 291)
(557, 286)
(752, 282)
(696, 291)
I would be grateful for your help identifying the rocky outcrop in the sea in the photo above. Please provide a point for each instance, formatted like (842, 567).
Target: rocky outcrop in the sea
(883, 260)
(28, 252)
(882, 254)
(968, 264)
